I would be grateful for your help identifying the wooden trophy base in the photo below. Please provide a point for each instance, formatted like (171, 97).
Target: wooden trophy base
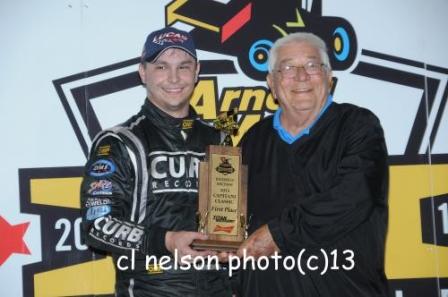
(216, 245)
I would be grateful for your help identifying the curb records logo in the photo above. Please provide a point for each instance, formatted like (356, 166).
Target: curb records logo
(117, 233)
(241, 33)
(225, 167)
(174, 171)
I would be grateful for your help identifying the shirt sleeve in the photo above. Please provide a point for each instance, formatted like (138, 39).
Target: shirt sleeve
(358, 190)
(109, 204)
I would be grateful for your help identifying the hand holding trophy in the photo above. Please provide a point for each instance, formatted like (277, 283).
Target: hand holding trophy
(222, 211)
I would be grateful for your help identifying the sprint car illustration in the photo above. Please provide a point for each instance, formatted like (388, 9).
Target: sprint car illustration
(247, 29)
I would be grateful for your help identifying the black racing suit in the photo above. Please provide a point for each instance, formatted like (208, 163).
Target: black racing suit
(141, 180)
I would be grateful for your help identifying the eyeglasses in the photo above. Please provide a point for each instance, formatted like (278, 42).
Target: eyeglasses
(311, 68)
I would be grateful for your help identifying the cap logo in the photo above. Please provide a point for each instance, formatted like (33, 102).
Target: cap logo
(170, 37)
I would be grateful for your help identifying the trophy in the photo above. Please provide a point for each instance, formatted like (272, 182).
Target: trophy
(222, 206)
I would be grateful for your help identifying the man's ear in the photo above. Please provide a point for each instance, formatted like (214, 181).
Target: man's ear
(330, 78)
(142, 72)
(269, 80)
(198, 69)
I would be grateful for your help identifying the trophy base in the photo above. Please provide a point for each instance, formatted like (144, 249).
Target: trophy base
(216, 245)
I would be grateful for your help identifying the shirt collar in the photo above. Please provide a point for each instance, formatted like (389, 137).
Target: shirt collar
(164, 120)
(288, 138)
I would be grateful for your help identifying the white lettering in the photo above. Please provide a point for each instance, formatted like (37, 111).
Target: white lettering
(123, 231)
(276, 257)
(266, 260)
(97, 223)
(198, 266)
(246, 259)
(110, 227)
(172, 163)
(308, 263)
(185, 262)
(234, 267)
(122, 268)
(213, 262)
(163, 261)
(289, 268)
(148, 261)
(154, 172)
(135, 235)
(194, 167)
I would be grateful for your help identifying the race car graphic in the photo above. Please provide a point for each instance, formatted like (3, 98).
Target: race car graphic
(247, 29)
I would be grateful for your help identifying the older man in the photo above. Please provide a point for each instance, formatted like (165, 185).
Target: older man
(318, 185)
(139, 192)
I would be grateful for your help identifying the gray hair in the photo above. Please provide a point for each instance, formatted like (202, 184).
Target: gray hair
(309, 38)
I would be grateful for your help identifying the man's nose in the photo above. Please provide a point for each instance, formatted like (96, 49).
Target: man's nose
(173, 75)
(301, 73)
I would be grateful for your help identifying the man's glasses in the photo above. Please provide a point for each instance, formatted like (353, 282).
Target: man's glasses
(290, 71)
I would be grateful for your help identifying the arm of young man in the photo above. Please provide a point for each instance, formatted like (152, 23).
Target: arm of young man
(111, 210)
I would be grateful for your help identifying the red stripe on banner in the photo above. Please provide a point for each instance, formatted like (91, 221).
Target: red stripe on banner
(235, 23)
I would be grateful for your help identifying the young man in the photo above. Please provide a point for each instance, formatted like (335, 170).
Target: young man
(139, 192)
(318, 184)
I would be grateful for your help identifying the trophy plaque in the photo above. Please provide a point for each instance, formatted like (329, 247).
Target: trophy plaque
(222, 209)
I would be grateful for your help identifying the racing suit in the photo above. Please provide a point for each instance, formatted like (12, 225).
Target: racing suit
(141, 180)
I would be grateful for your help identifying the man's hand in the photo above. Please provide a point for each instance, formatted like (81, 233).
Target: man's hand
(260, 243)
(181, 241)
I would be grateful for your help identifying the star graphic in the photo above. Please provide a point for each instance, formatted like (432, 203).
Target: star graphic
(11, 239)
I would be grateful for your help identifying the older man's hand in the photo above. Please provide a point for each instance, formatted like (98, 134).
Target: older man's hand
(260, 243)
